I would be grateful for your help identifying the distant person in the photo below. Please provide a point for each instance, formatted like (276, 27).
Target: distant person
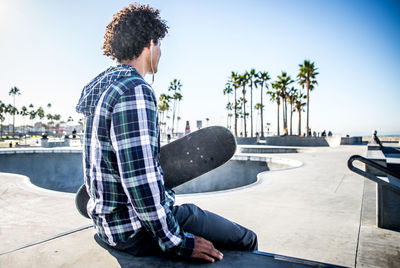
(323, 134)
(329, 133)
(285, 132)
(314, 134)
(376, 139)
(168, 135)
(130, 206)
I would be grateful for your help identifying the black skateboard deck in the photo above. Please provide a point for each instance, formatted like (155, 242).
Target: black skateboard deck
(186, 158)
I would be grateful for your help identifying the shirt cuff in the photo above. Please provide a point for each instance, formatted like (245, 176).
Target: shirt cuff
(186, 247)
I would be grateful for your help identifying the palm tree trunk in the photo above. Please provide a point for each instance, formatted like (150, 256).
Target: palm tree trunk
(291, 115)
(13, 132)
(244, 113)
(235, 115)
(286, 121)
(299, 122)
(278, 120)
(284, 111)
(262, 111)
(173, 118)
(308, 107)
(251, 110)
(258, 115)
(227, 121)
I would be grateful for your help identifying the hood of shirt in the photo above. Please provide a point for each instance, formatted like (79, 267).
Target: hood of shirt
(91, 92)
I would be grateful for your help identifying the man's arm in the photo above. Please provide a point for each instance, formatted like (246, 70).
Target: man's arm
(134, 137)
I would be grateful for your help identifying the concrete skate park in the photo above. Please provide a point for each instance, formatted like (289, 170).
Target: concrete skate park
(304, 203)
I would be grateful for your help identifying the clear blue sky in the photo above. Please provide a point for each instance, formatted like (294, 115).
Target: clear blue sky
(51, 49)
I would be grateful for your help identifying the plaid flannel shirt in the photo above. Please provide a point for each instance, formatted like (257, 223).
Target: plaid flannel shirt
(122, 172)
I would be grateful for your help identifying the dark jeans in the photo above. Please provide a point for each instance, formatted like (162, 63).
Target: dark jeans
(223, 233)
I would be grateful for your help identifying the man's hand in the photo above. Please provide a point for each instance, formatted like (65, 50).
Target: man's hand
(204, 249)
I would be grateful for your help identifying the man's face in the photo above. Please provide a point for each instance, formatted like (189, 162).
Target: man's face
(155, 54)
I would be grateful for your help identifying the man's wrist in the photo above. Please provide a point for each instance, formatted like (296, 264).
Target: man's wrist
(186, 247)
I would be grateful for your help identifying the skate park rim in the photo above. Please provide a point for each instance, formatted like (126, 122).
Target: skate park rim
(286, 162)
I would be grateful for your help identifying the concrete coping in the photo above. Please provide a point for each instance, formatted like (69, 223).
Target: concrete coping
(375, 155)
(393, 160)
(289, 163)
(41, 150)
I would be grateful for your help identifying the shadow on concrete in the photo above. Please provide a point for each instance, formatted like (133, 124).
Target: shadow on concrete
(231, 259)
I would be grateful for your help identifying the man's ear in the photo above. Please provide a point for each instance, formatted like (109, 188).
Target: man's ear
(151, 43)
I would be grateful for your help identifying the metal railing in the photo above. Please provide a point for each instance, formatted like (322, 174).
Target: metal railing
(372, 177)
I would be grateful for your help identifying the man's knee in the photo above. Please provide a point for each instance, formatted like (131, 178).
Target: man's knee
(253, 241)
(187, 214)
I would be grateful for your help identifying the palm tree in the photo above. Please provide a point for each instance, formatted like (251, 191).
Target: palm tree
(227, 91)
(163, 107)
(178, 119)
(230, 120)
(229, 107)
(80, 121)
(239, 107)
(259, 107)
(284, 81)
(14, 91)
(251, 76)
(291, 99)
(40, 113)
(275, 96)
(242, 109)
(50, 121)
(299, 103)
(2, 117)
(234, 81)
(24, 112)
(32, 114)
(57, 118)
(12, 110)
(306, 77)
(262, 77)
(174, 86)
(178, 98)
(243, 81)
(70, 119)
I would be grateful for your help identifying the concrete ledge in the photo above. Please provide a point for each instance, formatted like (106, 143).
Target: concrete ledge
(297, 141)
(388, 198)
(246, 141)
(377, 247)
(63, 252)
(266, 150)
(231, 259)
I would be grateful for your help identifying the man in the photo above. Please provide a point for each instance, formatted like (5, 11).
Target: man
(376, 139)
(129, 205)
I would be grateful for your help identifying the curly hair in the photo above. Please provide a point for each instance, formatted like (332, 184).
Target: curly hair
(131, 30)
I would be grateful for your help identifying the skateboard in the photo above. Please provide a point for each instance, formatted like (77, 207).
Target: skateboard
(185, 159)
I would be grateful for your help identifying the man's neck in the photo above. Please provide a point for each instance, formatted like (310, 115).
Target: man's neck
(138, 63)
